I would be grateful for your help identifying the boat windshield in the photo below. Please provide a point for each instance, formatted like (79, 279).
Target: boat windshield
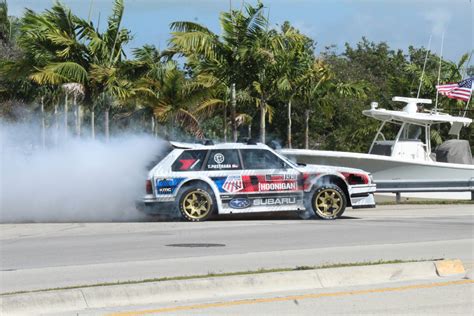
(412, 132)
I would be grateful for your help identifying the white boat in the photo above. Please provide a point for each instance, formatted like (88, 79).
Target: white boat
(406, 163)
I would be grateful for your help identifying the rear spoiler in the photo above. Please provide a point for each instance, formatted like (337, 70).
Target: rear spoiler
(179, 145)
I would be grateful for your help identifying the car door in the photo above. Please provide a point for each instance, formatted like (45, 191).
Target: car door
(224, 168)
(270, 182)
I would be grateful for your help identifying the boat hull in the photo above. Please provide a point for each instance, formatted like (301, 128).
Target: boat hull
(395, 175)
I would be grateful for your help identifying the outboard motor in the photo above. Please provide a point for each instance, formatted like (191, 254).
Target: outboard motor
(454, 151)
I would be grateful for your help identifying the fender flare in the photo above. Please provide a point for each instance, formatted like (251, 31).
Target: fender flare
(209, 182)
(346, 189)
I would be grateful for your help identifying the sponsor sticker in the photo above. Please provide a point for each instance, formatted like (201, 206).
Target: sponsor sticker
(233, 184)
(223, 166)
(240, 203)
(188, 164)
(167, 186)
(280, 177)
(219, 158)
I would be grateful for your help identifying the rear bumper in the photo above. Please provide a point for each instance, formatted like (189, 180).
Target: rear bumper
(153, 206)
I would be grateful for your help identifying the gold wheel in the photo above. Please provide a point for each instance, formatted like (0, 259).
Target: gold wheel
(196, 204)
(328, 203)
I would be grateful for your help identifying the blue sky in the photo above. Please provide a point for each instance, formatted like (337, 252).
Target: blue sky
(400, 23)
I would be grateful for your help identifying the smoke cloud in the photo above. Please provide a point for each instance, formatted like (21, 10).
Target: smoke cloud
(76, 180)
(439, 20)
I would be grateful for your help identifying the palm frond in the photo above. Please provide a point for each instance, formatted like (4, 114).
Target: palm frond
(190, 123)
(208, 106)
(57, 73)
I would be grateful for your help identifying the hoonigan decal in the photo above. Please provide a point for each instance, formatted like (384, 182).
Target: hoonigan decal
(257, 183)
(282, 186)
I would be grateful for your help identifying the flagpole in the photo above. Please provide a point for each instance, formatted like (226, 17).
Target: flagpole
(467, 104)
(439, 71)
(470, 96)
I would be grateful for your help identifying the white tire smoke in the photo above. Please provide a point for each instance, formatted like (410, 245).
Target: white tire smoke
(78, 180)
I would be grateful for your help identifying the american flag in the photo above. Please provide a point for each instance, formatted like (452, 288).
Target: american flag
(459, 91)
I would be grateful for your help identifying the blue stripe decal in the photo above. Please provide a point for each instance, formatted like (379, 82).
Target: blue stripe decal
(167, 186)
(219, 181)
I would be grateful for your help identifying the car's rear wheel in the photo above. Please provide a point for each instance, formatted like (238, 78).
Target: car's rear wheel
(328, 201)
(196, 203)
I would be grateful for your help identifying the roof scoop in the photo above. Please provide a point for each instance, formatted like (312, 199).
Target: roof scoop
(412, 103)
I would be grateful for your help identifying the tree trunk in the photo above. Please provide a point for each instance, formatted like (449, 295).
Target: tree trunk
(250, 130)
(262, 121)
(93, 122)
(65, 116)
(43, 125)
(153, 125)
(306, 129)
(225, 120)
(107, 124)
(76, 114)
(232, 114)
(79, 120)
(56, 124)
(289, 123)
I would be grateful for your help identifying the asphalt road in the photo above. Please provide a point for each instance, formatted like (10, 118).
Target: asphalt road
(37, 256)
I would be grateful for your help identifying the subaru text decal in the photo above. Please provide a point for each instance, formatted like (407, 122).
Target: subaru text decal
(274, 201)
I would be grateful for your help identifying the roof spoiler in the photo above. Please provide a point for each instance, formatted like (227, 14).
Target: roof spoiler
(179, 145)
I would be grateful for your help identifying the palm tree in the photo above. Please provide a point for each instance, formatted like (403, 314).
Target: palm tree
(147, 71)
(229, 57)
(108, 79)
(294, 58)
(177, 99)
(280, 62)
(53, 52)
(6, 23)
(217, 98)
(315, 87)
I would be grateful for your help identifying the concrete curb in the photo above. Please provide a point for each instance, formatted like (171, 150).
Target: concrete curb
(214, 287)
(449, 267)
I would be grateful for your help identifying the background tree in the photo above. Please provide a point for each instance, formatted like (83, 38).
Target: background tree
(229, 57)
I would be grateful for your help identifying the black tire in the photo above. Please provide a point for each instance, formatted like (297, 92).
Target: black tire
(328, 201)
(196, 203)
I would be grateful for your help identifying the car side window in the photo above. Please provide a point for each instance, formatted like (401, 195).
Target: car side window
(189, 160)
(261, 159)
(223, 159)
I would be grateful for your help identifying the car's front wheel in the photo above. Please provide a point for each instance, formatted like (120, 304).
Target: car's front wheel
(328, 201)
(196, 203)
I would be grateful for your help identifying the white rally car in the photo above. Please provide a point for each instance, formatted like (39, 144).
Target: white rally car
(196, 181)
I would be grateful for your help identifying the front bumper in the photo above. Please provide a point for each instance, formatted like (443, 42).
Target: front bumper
(362, 196)
(363, 201)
